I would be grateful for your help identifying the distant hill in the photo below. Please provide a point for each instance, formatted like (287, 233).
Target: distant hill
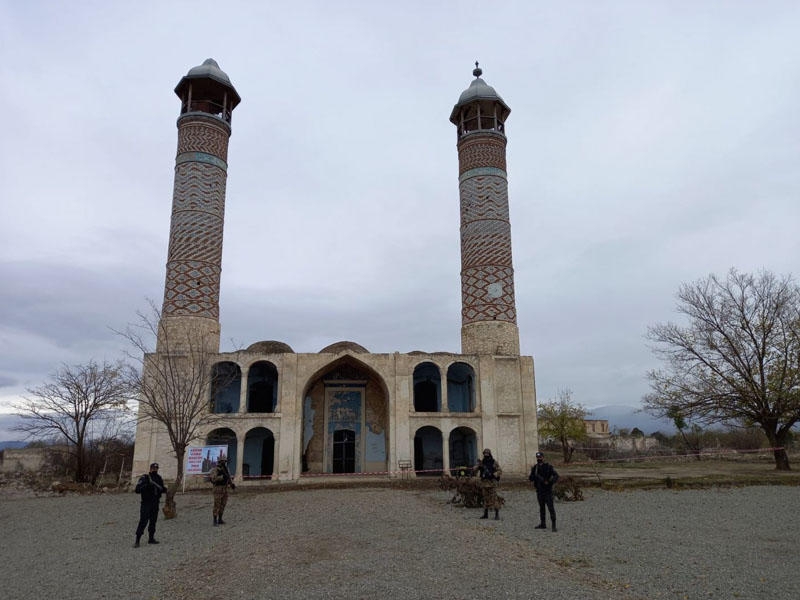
(12, 444)
(7, 432)
(628, 417)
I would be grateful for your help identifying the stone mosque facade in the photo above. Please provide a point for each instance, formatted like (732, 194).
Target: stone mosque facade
(343, 410)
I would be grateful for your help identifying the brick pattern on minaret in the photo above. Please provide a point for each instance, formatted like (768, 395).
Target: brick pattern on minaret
(194, 262)
(487, 273)
(488, 306)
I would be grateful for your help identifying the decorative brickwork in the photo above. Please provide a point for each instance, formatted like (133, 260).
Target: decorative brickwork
(487, 294)
(487, 273)
(203, 134)
(482, 150)
(194, 262)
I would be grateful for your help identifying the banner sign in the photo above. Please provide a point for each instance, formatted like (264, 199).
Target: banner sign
(202, 459)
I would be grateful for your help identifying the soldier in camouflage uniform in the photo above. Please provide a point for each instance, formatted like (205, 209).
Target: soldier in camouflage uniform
(490, 472)
(221, 478)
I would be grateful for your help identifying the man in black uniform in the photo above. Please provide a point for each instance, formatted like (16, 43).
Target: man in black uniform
(543, 476)
(150, 487)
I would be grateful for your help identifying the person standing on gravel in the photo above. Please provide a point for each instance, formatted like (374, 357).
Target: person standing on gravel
(490, 472)
(544, 476)
(150, 487)
(221, 478)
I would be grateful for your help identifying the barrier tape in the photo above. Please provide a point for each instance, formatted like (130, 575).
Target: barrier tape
(655, 457)
(360, 473)
(643, 458)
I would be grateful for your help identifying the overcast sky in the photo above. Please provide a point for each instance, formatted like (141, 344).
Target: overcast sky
(649, 144)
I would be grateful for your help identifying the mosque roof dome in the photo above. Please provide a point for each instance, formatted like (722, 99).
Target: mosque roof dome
(344, 346)
(270, 347)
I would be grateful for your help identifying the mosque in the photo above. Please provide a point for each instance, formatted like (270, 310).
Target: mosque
(285, 415)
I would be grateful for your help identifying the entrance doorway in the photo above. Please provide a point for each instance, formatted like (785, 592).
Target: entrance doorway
(344, 451)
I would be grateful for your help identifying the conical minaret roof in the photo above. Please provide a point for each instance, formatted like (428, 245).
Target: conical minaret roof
(479, 91)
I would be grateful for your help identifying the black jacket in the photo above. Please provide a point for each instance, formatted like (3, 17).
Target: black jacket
(543, 476)
(150, 486)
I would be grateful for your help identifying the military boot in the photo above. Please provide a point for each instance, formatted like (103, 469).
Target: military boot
(153, 540)
(136, 544)
(496, 514)
(219, 519)
(554, 526)
(485, 513)
(215, 521)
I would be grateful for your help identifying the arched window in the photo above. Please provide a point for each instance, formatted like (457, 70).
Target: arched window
(427, 388)
(262, 388)
(460, 388)
(226, 385)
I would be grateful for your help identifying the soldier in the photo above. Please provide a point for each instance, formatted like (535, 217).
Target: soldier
(490, 472)
(543, 476)
(150, 487)
(221, 478)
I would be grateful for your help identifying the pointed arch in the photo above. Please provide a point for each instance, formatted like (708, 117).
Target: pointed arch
(345, 418)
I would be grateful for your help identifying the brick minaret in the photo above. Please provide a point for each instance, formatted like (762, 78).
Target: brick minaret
(194, 262)
(488, 312)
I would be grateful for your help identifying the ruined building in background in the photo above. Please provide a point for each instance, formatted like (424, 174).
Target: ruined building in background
(284, 415)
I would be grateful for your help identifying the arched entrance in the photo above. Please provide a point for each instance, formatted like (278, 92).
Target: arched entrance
(463, 448)
(428, 455)
(345, 417)
(259, 454)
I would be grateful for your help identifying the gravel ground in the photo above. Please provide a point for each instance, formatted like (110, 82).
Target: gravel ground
(409, 544)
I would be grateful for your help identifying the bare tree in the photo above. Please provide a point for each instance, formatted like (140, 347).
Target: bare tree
(692, 441)
(77, 399)
(737, 362)
(562, 420)
(175, 385)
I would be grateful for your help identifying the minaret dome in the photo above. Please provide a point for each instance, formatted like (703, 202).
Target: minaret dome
(479, 108)
(207, 88)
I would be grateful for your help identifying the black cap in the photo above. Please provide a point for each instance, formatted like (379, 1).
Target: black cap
(153, 465)
(539, 455)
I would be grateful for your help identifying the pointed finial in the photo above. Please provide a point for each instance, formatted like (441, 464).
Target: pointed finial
(477, 72)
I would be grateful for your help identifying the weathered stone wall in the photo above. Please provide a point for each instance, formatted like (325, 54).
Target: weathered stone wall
(23, 459)
(504, 417)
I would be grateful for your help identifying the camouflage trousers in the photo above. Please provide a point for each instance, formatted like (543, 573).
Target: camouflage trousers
(220, 499)
(490, 497)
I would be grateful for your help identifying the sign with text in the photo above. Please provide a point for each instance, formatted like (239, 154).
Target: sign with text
(202, 459)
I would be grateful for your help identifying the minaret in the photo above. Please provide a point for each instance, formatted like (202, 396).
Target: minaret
(488, 311)
(194, 262)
